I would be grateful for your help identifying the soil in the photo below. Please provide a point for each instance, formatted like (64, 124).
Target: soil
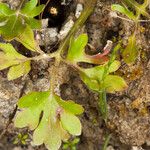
(129, 111)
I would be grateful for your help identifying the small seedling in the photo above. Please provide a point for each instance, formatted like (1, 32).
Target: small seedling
(71, 145)
(133, 15)
(21, 139)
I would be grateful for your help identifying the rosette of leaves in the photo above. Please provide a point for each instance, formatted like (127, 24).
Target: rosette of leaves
(13, 22)
(133, 11)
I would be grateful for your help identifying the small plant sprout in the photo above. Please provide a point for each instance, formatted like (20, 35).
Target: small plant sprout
(133, 15)
(72, 144)
(140, 9)
(21, 139)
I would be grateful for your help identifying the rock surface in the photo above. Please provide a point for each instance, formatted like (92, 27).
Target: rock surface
(129, 115)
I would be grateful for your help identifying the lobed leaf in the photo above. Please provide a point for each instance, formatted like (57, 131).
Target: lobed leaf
(95, 72)
(50, 117)
(76, 52)
(18, 64)
(27, 39)
(9, 56)
(98, 71)
(72, 125)
(36, 11)
(114, 66)
(12, 27)
(70, 106)
(19, 70)
(14, 21)
(29, 6)
(33, 99)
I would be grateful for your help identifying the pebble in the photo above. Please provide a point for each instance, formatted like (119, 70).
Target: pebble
(65, 29)
(137, 148)
(110, 148)
(79, 10)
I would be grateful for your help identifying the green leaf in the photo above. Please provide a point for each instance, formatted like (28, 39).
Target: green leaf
(9, 56)
(95, 72)
(33, 99)
(3, 21)
(139, 8)
(36, 11)
(70, 106)
(12, 28)
(123, 10)
(5, 10)
(27, 39)
(72, 125)
(114, 66)
(45, 113)
(33, 23)
(29, 6)
(18, 64)
(76, 50)
(76, 141)
(92, 77)
(19, 70)
(30, 10)
(113, 83)
(92, 84)
(50, 134)
(131, 51)
(96, 78)
(98, 71)
(14, 21)
(65, 146)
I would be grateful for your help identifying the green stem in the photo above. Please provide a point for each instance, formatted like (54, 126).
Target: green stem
(79, 23)
(102, 103)
(65, 43)
(107, 139)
